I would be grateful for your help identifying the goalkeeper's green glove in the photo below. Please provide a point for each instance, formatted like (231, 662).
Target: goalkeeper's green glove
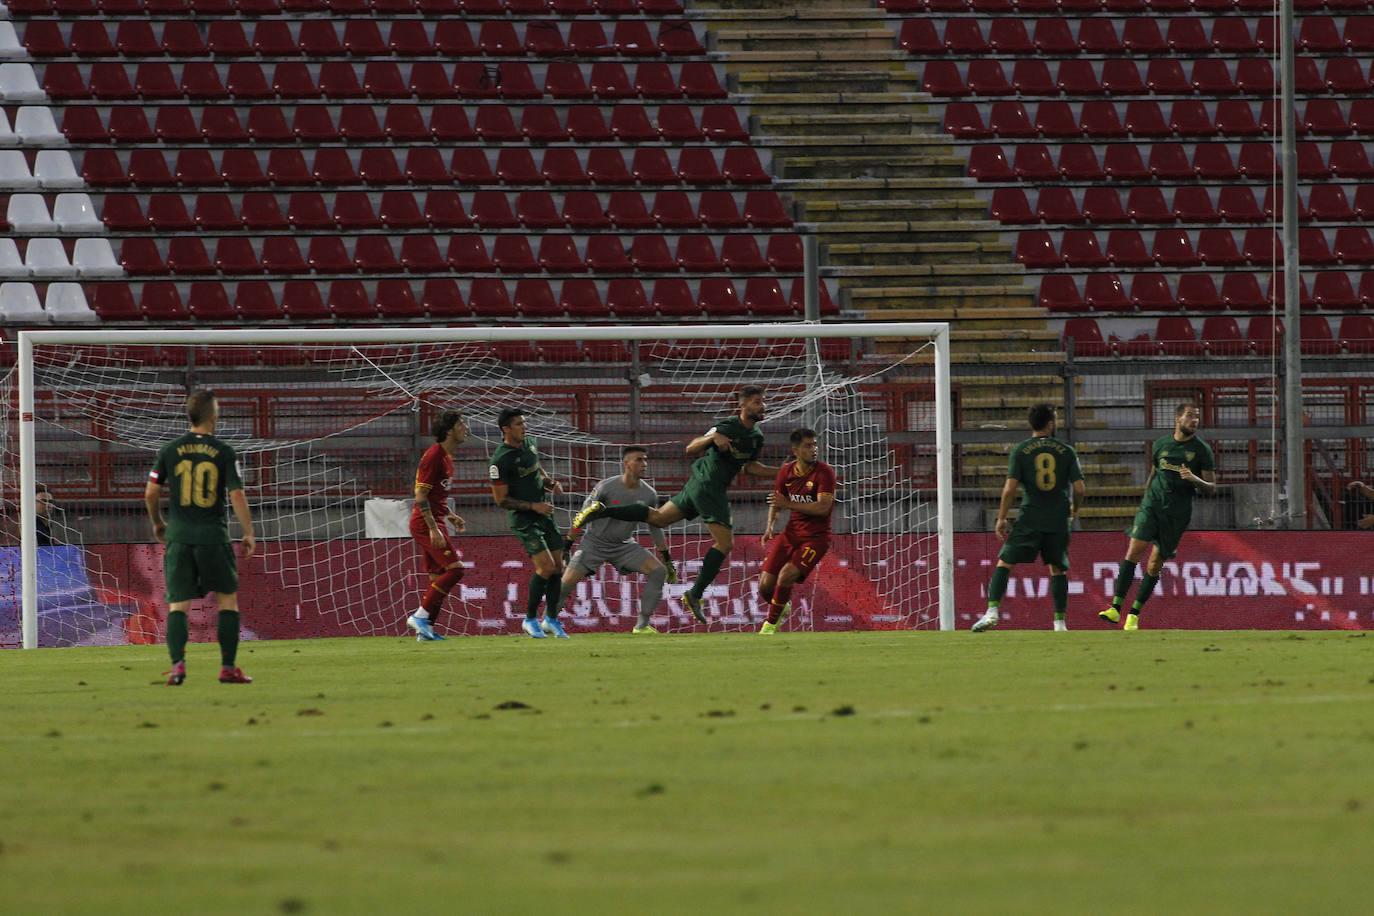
(671, 578)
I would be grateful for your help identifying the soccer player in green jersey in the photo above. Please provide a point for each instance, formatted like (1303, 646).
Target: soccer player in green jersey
(201, 471)
(1048, 469)
(731, 446)
(1181, 466)
(518, 484)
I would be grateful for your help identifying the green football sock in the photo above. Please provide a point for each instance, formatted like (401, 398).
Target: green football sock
(710, 566)
(553, 594)
(634, 512)
(228, 631)
(997, 585)
(1059, 594)
(1147, 588)
(537, 586)
(1125, 575)
(178, 632)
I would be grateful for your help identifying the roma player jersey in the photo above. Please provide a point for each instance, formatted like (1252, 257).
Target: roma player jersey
(435, 472)
(198, 471)
(806, 488)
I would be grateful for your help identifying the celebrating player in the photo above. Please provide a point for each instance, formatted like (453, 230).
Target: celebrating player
(518, 484)
(1181, 466)
(1053, 480)
(607, 540)
(806, 486)
(430, 518)
(731, 446)
(200, 557)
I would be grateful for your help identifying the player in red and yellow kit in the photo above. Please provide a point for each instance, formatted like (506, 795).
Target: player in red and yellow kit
(429, 522)
(806, 486)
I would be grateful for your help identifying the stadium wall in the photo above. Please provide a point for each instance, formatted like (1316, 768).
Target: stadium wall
(1222, 580)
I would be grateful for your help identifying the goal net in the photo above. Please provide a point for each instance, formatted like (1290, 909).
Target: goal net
(329, 426)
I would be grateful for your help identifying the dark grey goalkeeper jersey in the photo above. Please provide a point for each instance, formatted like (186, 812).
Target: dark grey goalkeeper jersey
(606, 533)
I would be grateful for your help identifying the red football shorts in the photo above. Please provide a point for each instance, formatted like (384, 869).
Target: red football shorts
(803, 553)
(437, 559)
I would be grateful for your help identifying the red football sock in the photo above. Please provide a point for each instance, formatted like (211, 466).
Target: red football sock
(438, 590)
(781, 595)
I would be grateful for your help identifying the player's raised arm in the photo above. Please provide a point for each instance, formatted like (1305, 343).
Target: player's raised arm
(1206, 482)
(710, 437)
(759, 469)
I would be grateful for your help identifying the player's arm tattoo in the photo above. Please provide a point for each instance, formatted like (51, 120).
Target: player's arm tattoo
(517, 505)
(422, 503)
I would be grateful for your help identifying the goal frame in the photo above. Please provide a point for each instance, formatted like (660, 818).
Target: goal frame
(936, 332)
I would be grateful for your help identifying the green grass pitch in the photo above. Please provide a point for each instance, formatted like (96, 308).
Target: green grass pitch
(914, 772)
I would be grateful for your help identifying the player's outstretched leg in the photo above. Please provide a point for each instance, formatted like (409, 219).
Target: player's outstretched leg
(590, 512)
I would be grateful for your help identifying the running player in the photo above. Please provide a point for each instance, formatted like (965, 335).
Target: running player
(731, 446)
(518, 484)
(1049, 470)
(429, 522)
(201, 470)
(1181, 466)
(806, 486)
(607, 540)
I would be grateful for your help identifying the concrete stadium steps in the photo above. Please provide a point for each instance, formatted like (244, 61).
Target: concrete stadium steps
(903, 232)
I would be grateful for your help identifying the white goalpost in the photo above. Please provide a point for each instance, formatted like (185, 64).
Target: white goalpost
(330, 423)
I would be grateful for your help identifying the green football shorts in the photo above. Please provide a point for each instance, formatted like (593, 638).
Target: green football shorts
(1024, 544)
(193, 570)
(1159, 528)
(701, 499)
(538, 534)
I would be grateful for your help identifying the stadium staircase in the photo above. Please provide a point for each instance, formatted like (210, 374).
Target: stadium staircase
(905, 233)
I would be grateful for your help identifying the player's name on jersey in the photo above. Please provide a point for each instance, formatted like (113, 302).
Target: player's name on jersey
(197, 448)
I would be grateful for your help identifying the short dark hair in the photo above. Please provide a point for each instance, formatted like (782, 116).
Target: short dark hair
(1184, 405)
(1040, 416)
(200, 406)
(506, 416)
(444, 422)
(748, 391)
(800, 435)
(633, 448)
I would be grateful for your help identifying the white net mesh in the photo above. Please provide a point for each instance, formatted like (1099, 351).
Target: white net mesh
(329, 439)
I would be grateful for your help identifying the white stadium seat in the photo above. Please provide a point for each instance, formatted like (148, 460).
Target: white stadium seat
(7, 135)
(54, 169)
(27, 214)
(67, 302)
(10, 46)
(11, 264)
(19, 303)
(34, 125)
(75, 213)
(14, 171)
(19, 84)
(47, 259)
(93, 257)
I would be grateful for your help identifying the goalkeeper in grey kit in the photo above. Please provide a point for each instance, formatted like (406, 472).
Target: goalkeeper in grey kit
(608, 540)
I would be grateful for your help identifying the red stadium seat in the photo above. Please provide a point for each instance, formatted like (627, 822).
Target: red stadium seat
(1212, 162)
(468, 254)
(1009, 205)
(964, 37)
(764, 210)
(1035, 249)
(353, 210)
(161, 302)
(963, 122)
(1122, 77)
(327, 254)
(1126, 248)
(1332, 290)
(1262, 247)
(1103, 292)
(988, 163)
(234, 255)
(1241, 292)
(1194, 205)
(1150, 293)
(213, 213)
(696, 253)
(1217, 248)
(717, 210)
(1352, 246)
(1078, 78)
(511, 254)
(1009, 119)
(1032, 77)
(491, 210)
(1103, 205)
(579, 298)
(1055, 120)
(1348, 160)
(672, 298)
(1237, 204)
(558, 254)
(1079, 250)
(537, 210)
(1168, 161)
(626, 210)
(1098, 36)
(1059, 293)
(1145, 119)
(129, 124)
(420, 254)
(582, 210)
(1357, 333)
(698, 80)
(564, 80)
(1141, 37)
(741, 254)
(650, 254)
(1099, 121)
(625, 298)
(281, 255)
(259, 211)
(1176, 336)
(1084, 338)
(1033, 163)
(717, 296)
(1057, 205)
(606, 255)
(987, 78)
(1145, 204)
(1198, 293)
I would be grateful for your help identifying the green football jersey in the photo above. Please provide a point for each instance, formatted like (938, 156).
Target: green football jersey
(1046, 469)
(198, 471)
(716, 468)
(1168, 492)
(518, 467)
